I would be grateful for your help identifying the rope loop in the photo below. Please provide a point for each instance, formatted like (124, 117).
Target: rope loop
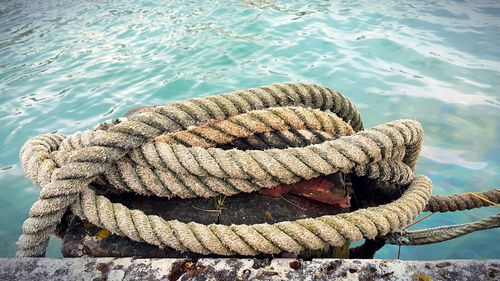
(227, 144)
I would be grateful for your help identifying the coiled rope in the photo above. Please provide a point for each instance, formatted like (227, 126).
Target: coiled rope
(177, 150)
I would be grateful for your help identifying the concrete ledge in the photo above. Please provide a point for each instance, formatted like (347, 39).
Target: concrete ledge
(244, 269)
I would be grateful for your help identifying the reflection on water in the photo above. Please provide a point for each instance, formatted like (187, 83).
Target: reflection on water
(451, 157)
(67, 65)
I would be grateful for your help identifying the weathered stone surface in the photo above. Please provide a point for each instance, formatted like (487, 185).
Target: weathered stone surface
(245, 269)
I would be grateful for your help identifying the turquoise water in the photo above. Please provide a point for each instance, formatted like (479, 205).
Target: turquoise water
(67, 65)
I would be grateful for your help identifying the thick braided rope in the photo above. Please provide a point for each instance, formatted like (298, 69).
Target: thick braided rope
(121, 220)
(362, 157)
(200, 171)
(98, 211)
(142, 179)
(140, 174)
(85, 164)
(443, 233)
(186, 165)
(278, 166)
(173, 170)
(292, 236)
(279, 140)
(258, 121)
(135, 173)
(43, 145)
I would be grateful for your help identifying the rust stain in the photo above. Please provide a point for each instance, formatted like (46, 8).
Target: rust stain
(103, 233)
(318, 189)
(269, 215)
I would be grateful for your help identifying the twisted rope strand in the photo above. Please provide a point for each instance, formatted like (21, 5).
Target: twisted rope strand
(252, 239)
(173, 150)
(442, 233)
(83, 165)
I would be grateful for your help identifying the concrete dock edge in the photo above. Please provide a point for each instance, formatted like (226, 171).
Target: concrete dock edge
(244, 269)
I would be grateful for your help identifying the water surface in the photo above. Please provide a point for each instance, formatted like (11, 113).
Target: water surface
(67, 65)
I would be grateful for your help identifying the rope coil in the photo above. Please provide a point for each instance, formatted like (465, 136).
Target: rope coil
(175, 151)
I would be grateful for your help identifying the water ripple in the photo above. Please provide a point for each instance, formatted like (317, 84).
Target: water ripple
(67, 65)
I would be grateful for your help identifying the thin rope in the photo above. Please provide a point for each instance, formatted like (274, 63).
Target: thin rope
(442, 233)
